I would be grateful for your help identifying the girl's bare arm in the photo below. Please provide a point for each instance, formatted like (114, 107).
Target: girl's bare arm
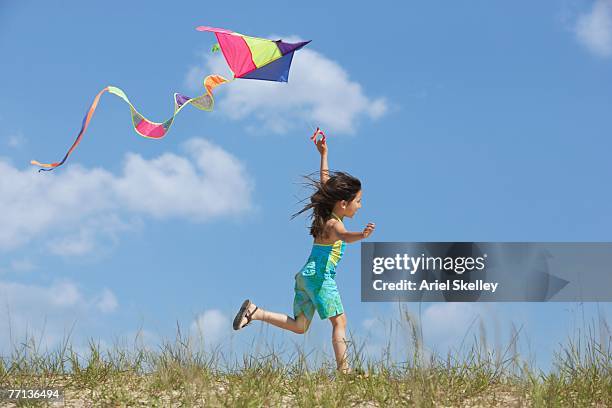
(348, 236)
(324, 171)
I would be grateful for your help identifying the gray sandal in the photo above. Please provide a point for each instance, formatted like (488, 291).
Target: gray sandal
(244, 313)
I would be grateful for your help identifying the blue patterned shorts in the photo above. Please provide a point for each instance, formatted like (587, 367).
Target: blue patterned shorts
(315, 288)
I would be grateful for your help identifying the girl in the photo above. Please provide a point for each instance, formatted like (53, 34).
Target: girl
(336, 196)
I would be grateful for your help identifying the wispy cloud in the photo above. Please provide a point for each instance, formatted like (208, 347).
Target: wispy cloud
(440, 327)
(144, 339)
(100, 230)
(106, 302)
(594, 29)
(319, 91)
(211, 327)
(79, 207)
(52, 309)
(448, 321)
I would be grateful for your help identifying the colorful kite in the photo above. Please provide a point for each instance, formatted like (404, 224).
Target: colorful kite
(255, 58)
(247, 57)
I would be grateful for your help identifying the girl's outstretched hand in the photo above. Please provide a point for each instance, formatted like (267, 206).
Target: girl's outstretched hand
(322, 146)
(369, 229)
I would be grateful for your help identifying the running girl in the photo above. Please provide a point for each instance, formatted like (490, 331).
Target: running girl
(337, 195)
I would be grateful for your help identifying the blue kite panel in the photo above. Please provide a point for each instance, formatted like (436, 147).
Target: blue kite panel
(274, 71)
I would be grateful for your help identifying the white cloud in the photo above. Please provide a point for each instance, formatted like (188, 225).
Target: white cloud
(59, 294)
(53, 309)
(107, 302)
(594, 29)
(443, 326)
(369, 323)
(213, 184)
(32, 204)
(92, 233)
(319, 92)
(454, 325)
(144, 339)
(64, 294)
(212, 327)
(78, 244)
(80, 206)
(448, 320)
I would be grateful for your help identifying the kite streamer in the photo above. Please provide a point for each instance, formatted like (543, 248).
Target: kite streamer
(247, 57)
(142, 125)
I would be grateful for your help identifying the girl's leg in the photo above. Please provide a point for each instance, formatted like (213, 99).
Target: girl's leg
(339, 342)
(299, 325)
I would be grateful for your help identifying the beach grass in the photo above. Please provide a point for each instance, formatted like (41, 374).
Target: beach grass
(177, 373)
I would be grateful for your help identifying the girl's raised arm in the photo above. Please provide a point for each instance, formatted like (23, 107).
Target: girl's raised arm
(322, 148)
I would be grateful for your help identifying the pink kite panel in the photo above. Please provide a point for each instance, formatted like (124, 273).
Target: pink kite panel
(151, 129)
(237, 53)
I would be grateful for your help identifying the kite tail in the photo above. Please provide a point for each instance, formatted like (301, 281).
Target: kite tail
(142, 125)
(86, 119)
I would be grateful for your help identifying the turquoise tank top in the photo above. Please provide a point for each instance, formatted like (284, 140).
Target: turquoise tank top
(324, 257)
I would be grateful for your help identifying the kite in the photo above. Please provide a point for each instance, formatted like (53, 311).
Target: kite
(255, 58)
(248, 58)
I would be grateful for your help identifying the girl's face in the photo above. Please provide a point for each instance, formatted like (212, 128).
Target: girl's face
(353, 206)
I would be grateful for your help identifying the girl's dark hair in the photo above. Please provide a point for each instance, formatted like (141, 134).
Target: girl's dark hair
(340, 186)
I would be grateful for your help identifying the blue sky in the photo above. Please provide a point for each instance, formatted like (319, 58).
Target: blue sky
(479, 122)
